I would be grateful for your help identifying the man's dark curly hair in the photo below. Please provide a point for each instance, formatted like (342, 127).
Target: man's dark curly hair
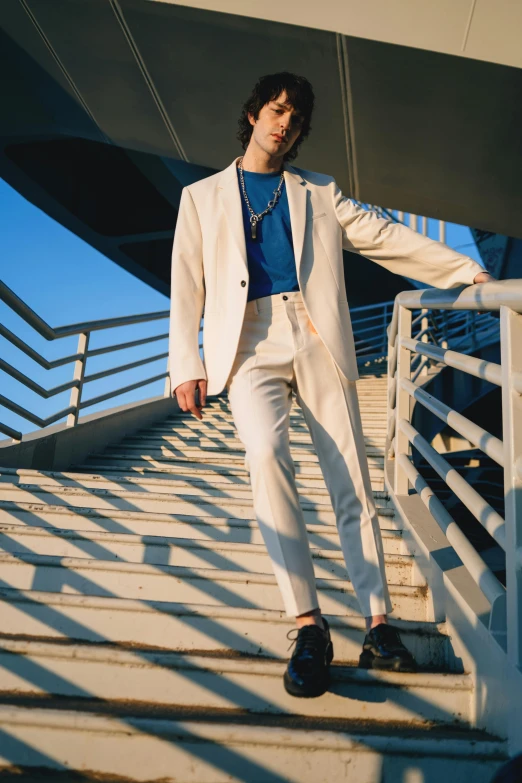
(299, 93)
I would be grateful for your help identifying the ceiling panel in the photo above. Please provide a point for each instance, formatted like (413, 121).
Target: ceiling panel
(204, 66)
(93, 49)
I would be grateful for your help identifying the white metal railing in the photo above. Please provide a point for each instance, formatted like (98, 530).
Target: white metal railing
(474, 326)
(79, 360)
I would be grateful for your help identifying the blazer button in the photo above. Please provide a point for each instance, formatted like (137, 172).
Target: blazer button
(243, 283)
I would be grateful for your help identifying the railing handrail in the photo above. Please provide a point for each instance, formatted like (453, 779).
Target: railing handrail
(482, 296)
(83, 330)
(22, 309)
(404, 349)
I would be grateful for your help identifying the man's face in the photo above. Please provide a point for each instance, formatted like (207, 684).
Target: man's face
(277, 126)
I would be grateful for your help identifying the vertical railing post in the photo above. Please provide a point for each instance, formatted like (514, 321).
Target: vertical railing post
(511, 356)
(384, 325)
(444, 342)
(413, 222)
(79, 374)
(424, 339)
(442, 231)
(166, 388)
(402, 403)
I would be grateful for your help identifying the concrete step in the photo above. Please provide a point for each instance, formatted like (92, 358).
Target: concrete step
(206, 586)
(192, 627)
(225, 440)
(221, 682)
(231, 747)
(218, 482)
(135, 500)
(168, 526)
(221, 451)
(227, 429)
(305, 471)
(185, 471)
(307, 464)
(314, 497)
(228, 555)
(218, 419)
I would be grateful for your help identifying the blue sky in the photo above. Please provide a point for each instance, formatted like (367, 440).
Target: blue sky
(66, 281)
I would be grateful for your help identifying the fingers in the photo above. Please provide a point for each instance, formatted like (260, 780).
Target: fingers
(187, 402)
(186, 396)
(202, 386)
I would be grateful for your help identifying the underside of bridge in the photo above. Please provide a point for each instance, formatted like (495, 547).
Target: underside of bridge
(110, 107)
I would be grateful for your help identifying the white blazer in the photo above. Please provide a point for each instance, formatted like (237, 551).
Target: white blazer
(210, 271)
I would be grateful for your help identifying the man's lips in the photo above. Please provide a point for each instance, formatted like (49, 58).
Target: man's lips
(278, 137)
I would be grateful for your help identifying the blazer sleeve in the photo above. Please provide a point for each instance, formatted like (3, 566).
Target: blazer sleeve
(187, 296)
(399, 248)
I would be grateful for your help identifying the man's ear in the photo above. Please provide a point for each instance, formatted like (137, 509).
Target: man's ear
(251, 118)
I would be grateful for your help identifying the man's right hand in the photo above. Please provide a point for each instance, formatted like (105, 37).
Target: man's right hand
(185, 394)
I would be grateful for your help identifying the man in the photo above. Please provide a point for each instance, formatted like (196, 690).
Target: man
(260, 246)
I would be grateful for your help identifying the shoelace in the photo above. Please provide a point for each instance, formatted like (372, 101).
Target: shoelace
(308, 641)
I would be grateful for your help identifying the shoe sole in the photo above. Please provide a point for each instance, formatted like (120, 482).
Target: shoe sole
(306, 693)
(370, 661)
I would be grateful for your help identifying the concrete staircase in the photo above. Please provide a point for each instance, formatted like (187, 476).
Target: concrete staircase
(143, 637)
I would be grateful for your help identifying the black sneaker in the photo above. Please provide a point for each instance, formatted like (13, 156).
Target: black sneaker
(383, 649)
(308, 671)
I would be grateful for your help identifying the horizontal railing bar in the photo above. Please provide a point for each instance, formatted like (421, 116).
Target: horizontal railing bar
(480, 437)
(34, 355)
(23, 379)
(122, 346)
(123, 390)
(113, 370)
(376, 328)
(484, 296)
(25, 414)
(488, 371)
(369, 342)
(24, 311)
(481, 510)
(486, 336)
(109, 323)
(477, 568)
(29, 316)
(14, 434)
(379, 318)
(376, 305)
(369, 347)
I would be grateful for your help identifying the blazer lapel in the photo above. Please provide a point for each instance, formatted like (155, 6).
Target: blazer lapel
(231, 198)
(296, 192)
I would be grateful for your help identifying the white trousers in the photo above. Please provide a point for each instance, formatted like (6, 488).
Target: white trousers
(279, 351)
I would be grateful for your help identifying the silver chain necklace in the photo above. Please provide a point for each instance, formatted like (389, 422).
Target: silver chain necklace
(255, 218)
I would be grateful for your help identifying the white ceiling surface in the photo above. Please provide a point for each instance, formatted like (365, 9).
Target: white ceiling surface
(489, 30)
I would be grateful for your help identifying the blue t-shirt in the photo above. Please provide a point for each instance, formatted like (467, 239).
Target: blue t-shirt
(271, 259)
